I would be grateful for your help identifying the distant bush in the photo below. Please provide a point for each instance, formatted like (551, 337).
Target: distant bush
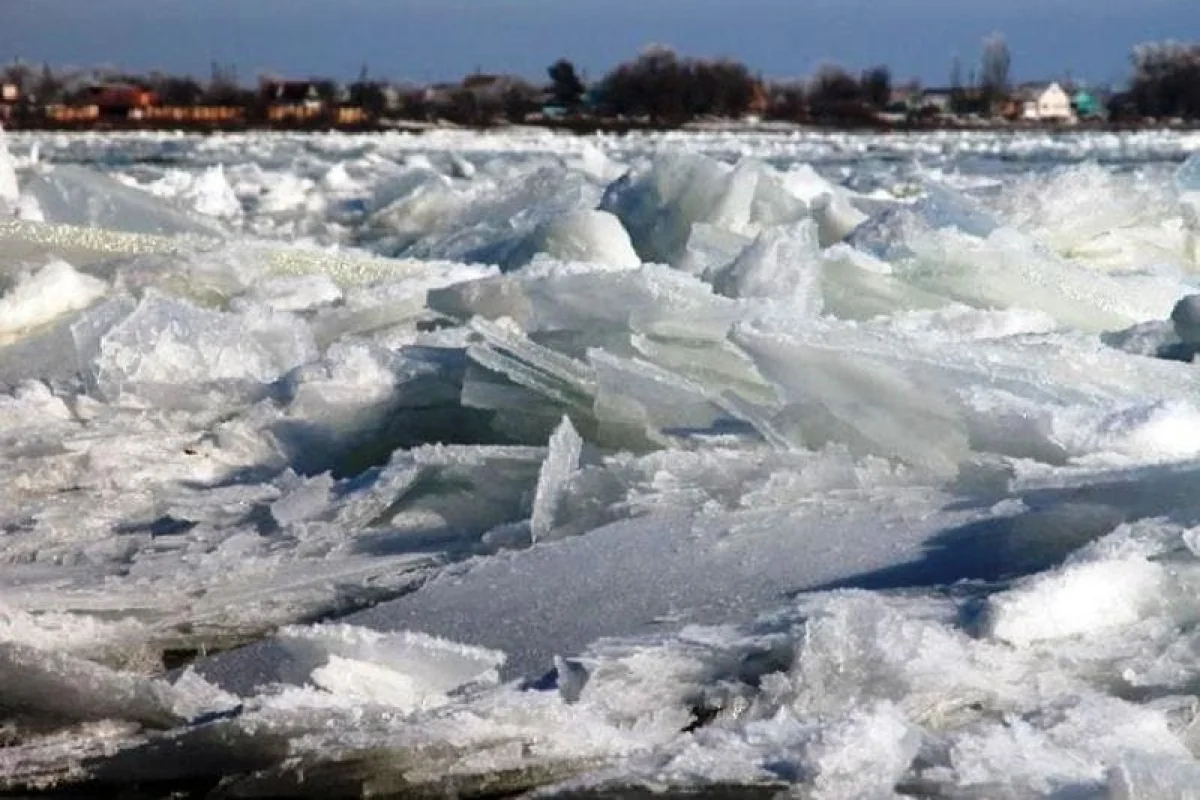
(835, 96)
(787, 102)
(667, 89)
(1166, 81)
(566, 89)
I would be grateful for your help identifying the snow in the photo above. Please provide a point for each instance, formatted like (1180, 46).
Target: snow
(562, 460)
(844, 464)
(10, 192)
(591, 236)
(40, 297)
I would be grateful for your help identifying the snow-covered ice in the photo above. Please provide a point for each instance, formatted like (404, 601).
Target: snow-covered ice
(463, 464)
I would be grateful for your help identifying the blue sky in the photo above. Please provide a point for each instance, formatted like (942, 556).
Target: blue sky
(429, 40)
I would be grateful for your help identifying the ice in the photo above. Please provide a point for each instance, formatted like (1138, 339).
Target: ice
(1149, 777)
(1187, 177)
(864, 756)
(73, 195)
(783, 263)
(169, 351)
(1082, 599)
(1079, 204)
(827, 396)
(406, 671)
(839, 465)
(562, 460)
(1007, 269)
(661, 206)
(592, 236)
(39, 297)
(45, 683)
(833, 206)
(711, 248)
(488, 225)
(10, 192)
(211, 194)
(296, 292)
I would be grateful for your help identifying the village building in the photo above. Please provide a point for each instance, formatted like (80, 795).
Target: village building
(200, 116)
(72, 114)
(1087, 105)
(119, 101)
(1041, 103)
(292, 101)
(10, 95)
(936, 101)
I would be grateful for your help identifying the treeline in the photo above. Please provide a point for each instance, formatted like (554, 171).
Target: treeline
(49, 86)
(1165, 82)
(658, 87)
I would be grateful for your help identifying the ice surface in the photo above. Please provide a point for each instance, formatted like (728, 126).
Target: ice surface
(1187, 177)
(783, 264)
(9, 191)
(661, 206)
(562, 460)
(40, 297)
(592, 236)
(405, 671)
(880, 481)
(167, 351)
(74, 195)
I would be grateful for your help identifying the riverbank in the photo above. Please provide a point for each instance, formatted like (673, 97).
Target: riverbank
(592, 126)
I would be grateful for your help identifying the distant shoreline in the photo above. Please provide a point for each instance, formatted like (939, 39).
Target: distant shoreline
(587, 127)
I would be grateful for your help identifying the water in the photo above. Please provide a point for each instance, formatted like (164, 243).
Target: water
(714, 462)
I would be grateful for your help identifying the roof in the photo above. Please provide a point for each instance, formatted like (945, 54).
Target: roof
(120, 95)
(290, 91)
(479, 80)
(1032, 91)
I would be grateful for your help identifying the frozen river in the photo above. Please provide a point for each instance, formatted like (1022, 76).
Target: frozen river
(854, 464)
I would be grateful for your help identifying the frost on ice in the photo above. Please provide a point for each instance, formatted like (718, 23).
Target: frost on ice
(844, 464)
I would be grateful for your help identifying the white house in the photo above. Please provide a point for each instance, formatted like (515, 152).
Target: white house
(1048, 103)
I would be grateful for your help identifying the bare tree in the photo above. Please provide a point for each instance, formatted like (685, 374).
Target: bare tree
(50, 87)
(876, 86)
(994, 66)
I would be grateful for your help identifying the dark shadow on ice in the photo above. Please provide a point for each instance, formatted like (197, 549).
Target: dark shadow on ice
(312, 448)
(435, 540)
(1055, 523)
(163, 526)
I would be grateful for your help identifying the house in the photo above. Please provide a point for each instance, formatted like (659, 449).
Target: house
(292, 101)
(119, 100)
(350, 116)
(1041, 103)
(207, 115)
(300, 93)
(903, 99)
(10, 95)
(937, 101)
(61, 114)
(1086, 105)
